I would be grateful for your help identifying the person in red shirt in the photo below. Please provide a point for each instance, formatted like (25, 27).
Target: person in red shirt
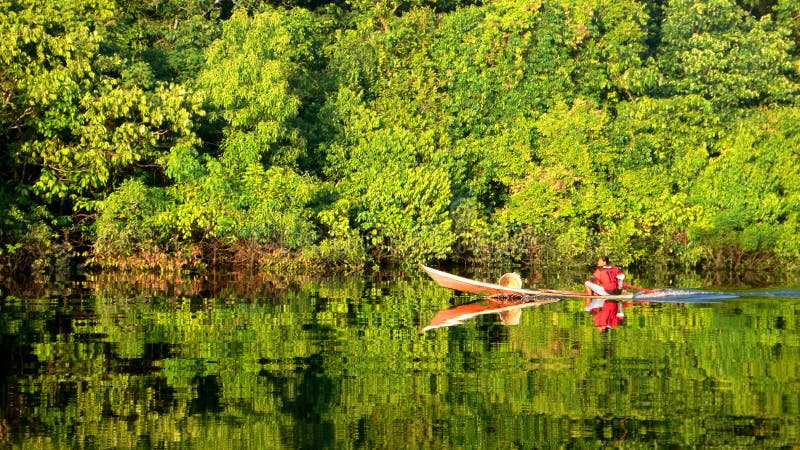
(606, 279)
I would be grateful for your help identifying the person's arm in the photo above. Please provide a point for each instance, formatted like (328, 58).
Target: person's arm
(638, 288)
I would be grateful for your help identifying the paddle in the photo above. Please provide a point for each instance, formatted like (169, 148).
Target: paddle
(638, 288)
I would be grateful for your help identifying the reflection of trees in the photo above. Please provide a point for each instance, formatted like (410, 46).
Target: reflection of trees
(216, 283)
(311, 407)
(342, 365)
(208, 395)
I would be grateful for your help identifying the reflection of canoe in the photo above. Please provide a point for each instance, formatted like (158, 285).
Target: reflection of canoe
(509, 312)
(462, 284)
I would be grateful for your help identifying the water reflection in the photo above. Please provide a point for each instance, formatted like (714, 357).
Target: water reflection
(508, 311)
(340, 363)
(606, 314)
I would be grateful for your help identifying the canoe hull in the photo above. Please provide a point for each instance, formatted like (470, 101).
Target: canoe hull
(463, 284)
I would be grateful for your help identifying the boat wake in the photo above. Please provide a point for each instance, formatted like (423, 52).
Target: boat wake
(778, 293)
(685, 296)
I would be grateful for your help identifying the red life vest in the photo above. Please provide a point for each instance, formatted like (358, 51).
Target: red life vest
(607, 277)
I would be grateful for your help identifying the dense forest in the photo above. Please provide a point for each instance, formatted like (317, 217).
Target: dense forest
(181, 134)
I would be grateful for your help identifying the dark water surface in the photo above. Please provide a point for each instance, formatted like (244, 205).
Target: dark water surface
(342, 364)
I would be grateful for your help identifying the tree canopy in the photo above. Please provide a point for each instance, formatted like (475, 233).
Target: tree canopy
(347, 134)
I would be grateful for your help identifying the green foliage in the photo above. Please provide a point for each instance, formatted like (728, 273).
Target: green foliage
(28, 242)
(519, 133)
(609, 40)
(342, 247)
(80, 128)
(45, 52)
(132, 217)
(568, 182)
(118, 129)
(717, 50)
(404, 213)
(665, 145)
(786, 13)
(502, 60)
(751, 189)
(240, 196)
(276, 204)
(162, 40)
(265, 207)
(399, 205)
(248, 83)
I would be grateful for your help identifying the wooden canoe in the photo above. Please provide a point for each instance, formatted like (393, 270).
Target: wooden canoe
(463, 284)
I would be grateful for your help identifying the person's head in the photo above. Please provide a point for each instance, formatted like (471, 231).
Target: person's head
(603, 261)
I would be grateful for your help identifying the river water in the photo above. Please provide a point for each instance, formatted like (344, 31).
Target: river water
(361, 363)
